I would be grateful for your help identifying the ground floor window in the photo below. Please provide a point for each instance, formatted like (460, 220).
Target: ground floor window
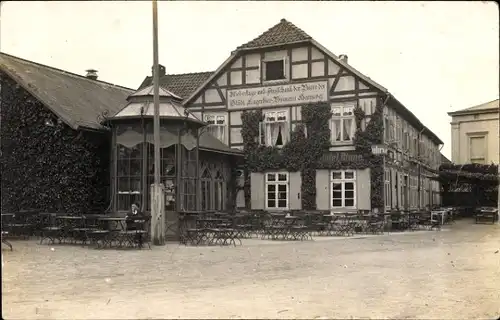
(387, 188)
(213, 190)
(277, 190)
(413, 192)
(343, 188)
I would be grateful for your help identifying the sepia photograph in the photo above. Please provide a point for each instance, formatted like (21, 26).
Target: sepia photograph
(250, 159)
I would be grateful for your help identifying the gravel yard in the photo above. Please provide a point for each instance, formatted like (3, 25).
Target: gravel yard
(454, 273)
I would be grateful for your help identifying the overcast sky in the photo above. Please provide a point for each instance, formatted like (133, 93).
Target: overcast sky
(434, 57)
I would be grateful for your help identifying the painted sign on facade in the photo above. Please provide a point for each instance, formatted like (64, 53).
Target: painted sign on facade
(286, 94)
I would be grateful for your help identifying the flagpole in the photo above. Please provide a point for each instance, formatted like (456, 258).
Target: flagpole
(156, 230)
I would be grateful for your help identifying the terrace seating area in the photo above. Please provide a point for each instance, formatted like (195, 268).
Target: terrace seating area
(94, 230)
(218, 228)
(215, 228)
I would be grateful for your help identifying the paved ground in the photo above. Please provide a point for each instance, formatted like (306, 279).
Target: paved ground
(449, 274)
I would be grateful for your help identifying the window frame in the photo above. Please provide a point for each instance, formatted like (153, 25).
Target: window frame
(342, 117)
(125, 198)
(224, 126)
(265, 125)
(284, 60)
(472, 136)
(343, 181)
(276, 183)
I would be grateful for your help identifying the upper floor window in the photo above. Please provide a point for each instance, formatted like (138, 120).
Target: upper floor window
(216, 126)
(477, 149)
(274, 70)
(389, 129)
(342, 124)
(274, 130)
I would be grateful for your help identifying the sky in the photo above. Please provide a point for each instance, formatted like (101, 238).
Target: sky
(434, 57)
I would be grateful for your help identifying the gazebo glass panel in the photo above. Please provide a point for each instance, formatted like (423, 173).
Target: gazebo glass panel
(129, 164)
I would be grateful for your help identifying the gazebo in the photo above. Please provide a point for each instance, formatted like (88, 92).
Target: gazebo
(195, 166)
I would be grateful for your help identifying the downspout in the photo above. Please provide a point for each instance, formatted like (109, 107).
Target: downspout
(144, 164)
(388, 95)
(419, 183)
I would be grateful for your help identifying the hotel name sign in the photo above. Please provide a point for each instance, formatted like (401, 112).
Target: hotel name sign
(286, 94)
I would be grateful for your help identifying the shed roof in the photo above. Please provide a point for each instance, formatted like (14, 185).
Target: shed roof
(76, 99)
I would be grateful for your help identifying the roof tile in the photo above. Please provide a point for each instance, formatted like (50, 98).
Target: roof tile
(76, 99)
(180, 84)
(282, 33)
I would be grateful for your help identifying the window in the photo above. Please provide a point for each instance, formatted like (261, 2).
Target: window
(343, 188)
(277, 190)
(387, 188)
(213, 189)
(477, 148)
(274, 130)
(167, 174)
(129, 166)
(274, 70)
(342, 124)
(413, 192)
(216, 126)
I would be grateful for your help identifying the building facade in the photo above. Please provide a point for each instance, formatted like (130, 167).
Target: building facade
(54, 152)
(475, 134)
(307, 122)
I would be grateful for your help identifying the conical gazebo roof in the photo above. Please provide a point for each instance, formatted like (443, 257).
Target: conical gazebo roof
(140, 104)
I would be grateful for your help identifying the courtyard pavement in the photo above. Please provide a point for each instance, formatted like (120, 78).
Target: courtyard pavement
(454, 273)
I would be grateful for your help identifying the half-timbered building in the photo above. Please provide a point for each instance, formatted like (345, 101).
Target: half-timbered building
(281, 72)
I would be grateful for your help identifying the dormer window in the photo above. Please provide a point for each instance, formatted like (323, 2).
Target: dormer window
(274, 70)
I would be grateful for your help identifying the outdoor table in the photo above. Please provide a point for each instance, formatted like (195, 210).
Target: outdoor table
(441, 214)
(67, 224)
(490, 214)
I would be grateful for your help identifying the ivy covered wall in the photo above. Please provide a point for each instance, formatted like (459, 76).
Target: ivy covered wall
(48, 168)
(306, 154)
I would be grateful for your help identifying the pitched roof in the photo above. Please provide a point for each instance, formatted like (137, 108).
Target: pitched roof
(77, 100)
(180, 84)
(141, 104)
(282, 33)
(490, 106)
(444, 159)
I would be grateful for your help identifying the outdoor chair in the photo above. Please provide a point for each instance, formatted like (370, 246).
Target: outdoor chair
(137, 232)
(49, 228)
(376, 224)
(243, 225)
(396, 222)
(344, 226)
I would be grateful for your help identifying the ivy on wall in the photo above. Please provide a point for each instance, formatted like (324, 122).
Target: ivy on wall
(48, 168)
(306, 154)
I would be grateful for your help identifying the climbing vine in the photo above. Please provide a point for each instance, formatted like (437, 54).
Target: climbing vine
(49, 168)
(308, 150)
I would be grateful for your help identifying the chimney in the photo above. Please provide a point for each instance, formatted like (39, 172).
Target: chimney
(161, 70)
(91, 74)
(343, 57)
